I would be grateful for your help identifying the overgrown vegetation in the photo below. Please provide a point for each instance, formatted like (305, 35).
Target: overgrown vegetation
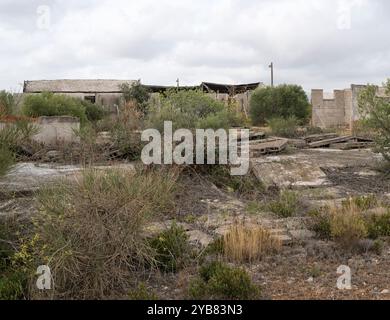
(90, 230)
(378, 225)
(248, 243)
(13, 137)
(219, 281)
(7, 159)
(7, 103)
(126, 141)
(284, 127)
(137, 94)
(376, 112)
(283, 101)
(347, 225)
(190, 109)
(12, 279)
(351, 223)
(286, 205)
(247, 186)
(362, 202)
(361, 129)
(320, 223)
(50, 104)
(142, 293)
(172, 249)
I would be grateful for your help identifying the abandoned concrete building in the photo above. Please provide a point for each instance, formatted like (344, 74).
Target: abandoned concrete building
(108, 92)
(337, 109)
(104, 92)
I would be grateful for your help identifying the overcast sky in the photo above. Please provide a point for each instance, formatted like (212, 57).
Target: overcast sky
(317, 43)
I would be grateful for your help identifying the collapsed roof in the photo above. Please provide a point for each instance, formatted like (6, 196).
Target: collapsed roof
(230, 89)
(113, 86)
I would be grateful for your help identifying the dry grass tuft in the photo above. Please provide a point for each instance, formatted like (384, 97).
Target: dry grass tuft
(347, 225)
(248, 243)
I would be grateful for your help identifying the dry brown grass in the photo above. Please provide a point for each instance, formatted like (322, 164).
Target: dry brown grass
(347, 224)
(248, 243)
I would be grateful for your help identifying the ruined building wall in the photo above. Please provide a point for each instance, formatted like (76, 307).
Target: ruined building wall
(340, 110)
(53, 130)
(328, 113)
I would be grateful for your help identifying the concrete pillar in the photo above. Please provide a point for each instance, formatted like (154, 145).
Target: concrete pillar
(339, 99)
(317, 102)
(355, 103)
(348, 108)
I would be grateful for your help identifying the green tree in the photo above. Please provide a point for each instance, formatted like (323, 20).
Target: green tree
(375, 111)
(191, 109)
(137, 93)
(50, 104)
(284, 101)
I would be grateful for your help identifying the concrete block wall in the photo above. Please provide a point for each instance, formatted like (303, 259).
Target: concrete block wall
(328, 113)
(53, 130)
(57, 129)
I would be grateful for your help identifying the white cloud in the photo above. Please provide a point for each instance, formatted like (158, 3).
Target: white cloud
(221, 41)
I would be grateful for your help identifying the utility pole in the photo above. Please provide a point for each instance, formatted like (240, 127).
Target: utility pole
(272, 73)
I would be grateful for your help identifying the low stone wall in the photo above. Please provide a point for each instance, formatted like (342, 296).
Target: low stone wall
(52, 130)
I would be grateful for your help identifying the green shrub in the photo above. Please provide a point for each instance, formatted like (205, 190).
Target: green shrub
(7, 159)
(216, 121)
(254, 207)
(375, 111)
(12, 286)
(286, 205)
(378, 226)
(348, 224)
(6, 249)
(13, 282)
(190, 109)
(362, 129)
(141, 293)
(224, 119)
(93, 112)
(137, 93)
(50, 104)
(172, 249)
(286, 128)
(219, 281)
(126, 141)
(282, 101)
(13, 135)
(7, 103)
(362, 202)
(321, 224)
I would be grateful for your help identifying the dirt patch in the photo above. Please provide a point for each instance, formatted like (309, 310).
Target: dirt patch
(357, 179)
(195, 194)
